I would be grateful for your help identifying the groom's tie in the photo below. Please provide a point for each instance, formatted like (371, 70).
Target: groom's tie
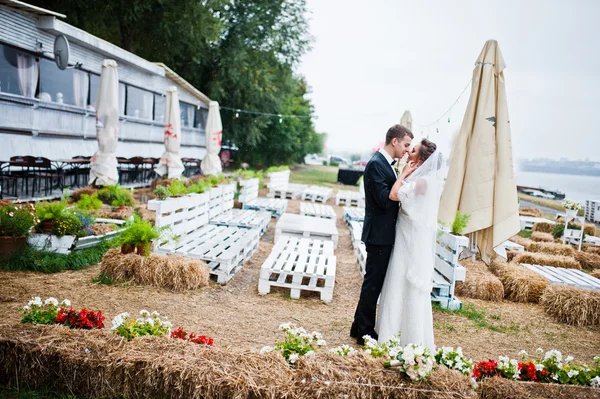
(393, 162)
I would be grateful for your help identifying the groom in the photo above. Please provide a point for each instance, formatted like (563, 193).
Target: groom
(379, 227)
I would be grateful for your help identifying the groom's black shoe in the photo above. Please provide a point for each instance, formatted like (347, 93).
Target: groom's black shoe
(354, 331)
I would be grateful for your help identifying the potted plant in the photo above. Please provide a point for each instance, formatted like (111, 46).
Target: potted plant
(15, 224)
(48, 213)
(115, 196)
(88, 202)
(162, 192)
(461, 220)
(177, 188)
(138, 236)
(571, 207)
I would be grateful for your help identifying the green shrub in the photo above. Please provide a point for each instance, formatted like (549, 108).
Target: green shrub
(162, 192)
(50, 211)
(461, 220)
(88, 202)
(559, 230)
(139, 231)
(177, 187)
(325, 163)
(17, 221)
(213, 180)
(199, 187)
(277, 168)
(130, 328)
(333, 163)
(116, 194)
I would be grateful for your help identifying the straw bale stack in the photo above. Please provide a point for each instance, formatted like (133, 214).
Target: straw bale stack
(542, 259)
(538, 236)
(571, 305)
(588, 261)
(552, 249)
(543, 227)
(520, 284)
(480, 283)
(173, 272)
(533, 212)
(162, 367)
(503, 388)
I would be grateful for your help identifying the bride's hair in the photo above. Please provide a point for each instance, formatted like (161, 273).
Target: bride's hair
(427, 148)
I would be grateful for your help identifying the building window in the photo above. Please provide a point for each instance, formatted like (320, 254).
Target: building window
(187, 114)
(201, 118)
(160, 107)
(94, 89)
(122, 98)
(139, 103)
(56, 85)
(19, 72)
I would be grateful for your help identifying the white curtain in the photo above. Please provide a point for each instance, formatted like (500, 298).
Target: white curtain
(190, 115)
(80, 88)
(147, 98)
(29, 71)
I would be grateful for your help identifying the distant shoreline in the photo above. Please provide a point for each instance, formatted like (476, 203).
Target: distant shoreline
(547, 170)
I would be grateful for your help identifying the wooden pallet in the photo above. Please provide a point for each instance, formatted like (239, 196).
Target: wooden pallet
(513, 246)
(288, 191)
(278, 179)
(299, 266)
(447, 270)
(316, 210)
(248, 190)
(350, 198)
(356, 214)
(224, 248)
(356, 229)
(244, 218)
(572, 277)
(276, 206)
(289, 243)
(307, 227)
(527, 222)
(317, 194)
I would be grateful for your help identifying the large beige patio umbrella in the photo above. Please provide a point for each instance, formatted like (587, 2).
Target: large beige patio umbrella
(170, 162)
(481, 179)
(407, 120)
(211, 164)
(103, 165)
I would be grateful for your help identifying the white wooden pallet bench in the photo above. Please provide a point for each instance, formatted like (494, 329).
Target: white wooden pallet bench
(356, 214)
(278, 179)
(572, 277)
(300, 264)
(244, 218)
(513, 246)
(349, 198)
(287, 191)
(447, 271)
(360, 250)
(527, 222)
(317, 194)
(306, 226)
(250, 200)
(224, 248)
(317, 210)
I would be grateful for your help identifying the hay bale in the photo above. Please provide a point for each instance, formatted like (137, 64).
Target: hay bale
(542, 237)
(503, 388)
(498, 264)
(533, 212)
(525, 242)
(552, 248)
(543, 227)
(592, 249)
(588, 261)
(480, 283)
(521, 284)
(151, 367)
(536, 258)
(595, 273)
(181, 273)
(589, 229)
(76, 195)
(117, 266)
(510, 255)
(571, 305)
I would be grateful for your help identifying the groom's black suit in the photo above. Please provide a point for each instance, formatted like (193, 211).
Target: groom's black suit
(379, 231)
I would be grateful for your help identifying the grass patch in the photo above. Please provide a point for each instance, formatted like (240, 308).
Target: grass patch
(13, 393)
(316, 175)
(33, 260)
(444, 326)
(103, 279)
(480, 319)
(525, 233)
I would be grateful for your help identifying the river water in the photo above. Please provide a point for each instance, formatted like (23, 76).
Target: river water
(576, 187)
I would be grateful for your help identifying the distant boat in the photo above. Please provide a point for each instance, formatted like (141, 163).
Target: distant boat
(542, 193)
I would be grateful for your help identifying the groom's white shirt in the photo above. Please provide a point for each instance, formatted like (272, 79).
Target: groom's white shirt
(389, 159)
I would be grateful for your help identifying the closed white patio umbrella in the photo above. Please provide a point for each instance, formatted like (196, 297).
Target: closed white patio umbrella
(211, 164)
(103, 165)
(170, 162)
(481, 179)
(407, 120)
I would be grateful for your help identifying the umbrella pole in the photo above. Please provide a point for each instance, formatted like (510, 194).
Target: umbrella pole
(473, 246)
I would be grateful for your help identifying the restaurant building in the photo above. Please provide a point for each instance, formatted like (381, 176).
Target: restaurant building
(49, 112)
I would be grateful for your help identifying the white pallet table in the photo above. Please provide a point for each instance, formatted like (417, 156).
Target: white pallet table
(224, 248)
(349, 198)
(299, 266)
(278, 179)
(527, 222)
(317, 210)
(317, 194)
(287, 191)
(244, 218)
(276, 206)
(447, 270)
(297, 244)
(306, 226)
(572, 277)
(513, 246)
(356, 214)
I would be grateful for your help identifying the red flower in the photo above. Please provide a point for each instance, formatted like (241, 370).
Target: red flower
(179, 333)
(485, 369)
(85, 319)
(197, 339)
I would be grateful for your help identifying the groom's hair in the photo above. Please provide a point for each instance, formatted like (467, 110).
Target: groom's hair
(397, 132)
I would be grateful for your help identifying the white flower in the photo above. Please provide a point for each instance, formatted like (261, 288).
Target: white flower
(140, 320)
(36, 301)
(539, 366)
(393, 353)
(119, 319)
(523, 354)
(150, 321)
(568, 359)
(266, 349)
(309, 353)
(51, 301)
(26, 307)
(167, 324)
(155, 314)
(554, 377)
(144, 313)
(285, 326)
(595, 382)
(539, 351)
(66, 303)
(419, 350)
(293, 358)
(321, 342)
(459, 351)
(573, 373)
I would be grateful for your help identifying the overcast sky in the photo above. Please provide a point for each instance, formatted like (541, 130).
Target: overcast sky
(372, 60)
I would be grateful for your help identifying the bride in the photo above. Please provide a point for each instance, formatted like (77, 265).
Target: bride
(405, 303)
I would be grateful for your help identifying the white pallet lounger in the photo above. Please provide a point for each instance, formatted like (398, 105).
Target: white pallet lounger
(224, 248)
(356, 214)
(317, 194)
(278, 179)
(572, 277)
(349, 198)
(447, 271)
(360, 250)
(299, 264)
(289, 191)
(306, 226)
(227, 216)
(249, 199)
(317, 210)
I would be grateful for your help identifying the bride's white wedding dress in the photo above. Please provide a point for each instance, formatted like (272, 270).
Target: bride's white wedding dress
(405, 302)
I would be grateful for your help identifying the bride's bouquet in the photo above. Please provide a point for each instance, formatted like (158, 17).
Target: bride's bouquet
(414, 360)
